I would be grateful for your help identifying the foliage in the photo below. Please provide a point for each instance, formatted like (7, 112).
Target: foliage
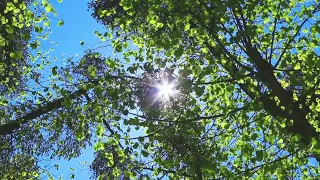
(107, 162)
(245, 73)
(250, 112)
(14, 37)
(20, 165)
(23, 25)
(100, 8)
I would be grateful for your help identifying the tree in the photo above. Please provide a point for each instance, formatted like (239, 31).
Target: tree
(26, 141)
(13, 38)
(243, 58)
(236, 109)
(15, 33)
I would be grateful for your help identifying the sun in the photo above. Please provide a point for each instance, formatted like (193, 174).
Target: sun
(166, 90)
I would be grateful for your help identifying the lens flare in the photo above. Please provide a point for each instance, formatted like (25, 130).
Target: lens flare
(166, 90)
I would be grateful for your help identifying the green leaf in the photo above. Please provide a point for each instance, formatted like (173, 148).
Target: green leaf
(141, 139)
(187, 27)
(98, 146)
(265, 21)
(125, 112)
(38, 29)
(61, 22)
(118, 47)
(305, 31)
(26, 36)
(48, 8)
(54, 70)
(16, 55)
(12, 55)
(100, 130)
(144, 153)
(136, 145)
(152, 21)
(178, 53)
(200, 91)
(9, 29)
(34, 45)
(46, 23)
(297, 66)
(259, 154)
(110, 163)
(254, 136)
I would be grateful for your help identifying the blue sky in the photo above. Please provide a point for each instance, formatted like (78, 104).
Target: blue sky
(78, 26)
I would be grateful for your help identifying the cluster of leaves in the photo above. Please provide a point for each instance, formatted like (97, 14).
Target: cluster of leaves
(32, 126)
(100, 8)
(17, 22)
(69, 121)
(92, 65)
(250, 114)
(20, 164)
(14, 35)
(107, 161)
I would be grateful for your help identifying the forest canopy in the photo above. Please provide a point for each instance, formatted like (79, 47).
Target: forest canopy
(214, 89)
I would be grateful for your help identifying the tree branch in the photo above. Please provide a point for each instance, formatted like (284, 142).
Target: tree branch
(13, 125)
(9, 127)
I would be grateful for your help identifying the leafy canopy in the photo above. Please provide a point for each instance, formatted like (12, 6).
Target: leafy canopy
(252, 103)
(246, 85)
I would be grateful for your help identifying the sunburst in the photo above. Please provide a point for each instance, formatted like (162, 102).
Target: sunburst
(166, 90)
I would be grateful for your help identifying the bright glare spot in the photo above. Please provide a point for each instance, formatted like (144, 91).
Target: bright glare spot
(166, 90)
